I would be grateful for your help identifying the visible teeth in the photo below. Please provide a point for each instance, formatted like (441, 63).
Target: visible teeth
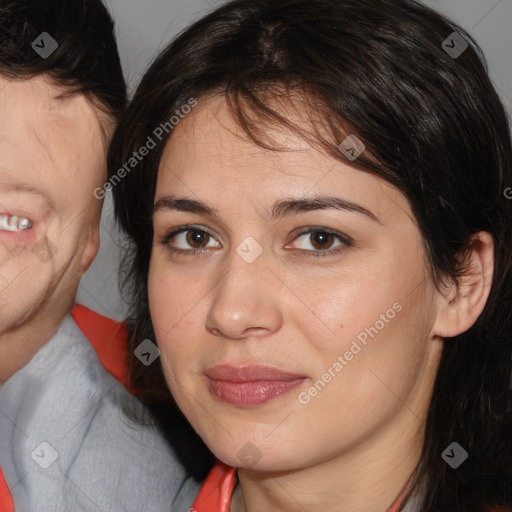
(14, 223)
(24, 224)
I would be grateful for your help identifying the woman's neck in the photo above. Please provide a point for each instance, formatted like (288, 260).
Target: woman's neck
(367, 478)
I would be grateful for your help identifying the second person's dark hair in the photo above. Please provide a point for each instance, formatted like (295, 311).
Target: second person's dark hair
(433, 126)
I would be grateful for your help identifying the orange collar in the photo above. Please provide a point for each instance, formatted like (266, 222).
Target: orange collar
(215, 494)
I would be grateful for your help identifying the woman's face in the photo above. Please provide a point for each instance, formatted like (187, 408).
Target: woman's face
(290, 298)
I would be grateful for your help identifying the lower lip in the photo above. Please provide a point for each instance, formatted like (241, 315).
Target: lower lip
(251, 393)
(18, 237)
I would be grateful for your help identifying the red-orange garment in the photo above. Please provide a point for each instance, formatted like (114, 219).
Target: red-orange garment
(217, 490)
(109, 339)
(6, 503)
(215, 494)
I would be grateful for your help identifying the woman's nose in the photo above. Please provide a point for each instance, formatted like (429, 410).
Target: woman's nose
(246, 301)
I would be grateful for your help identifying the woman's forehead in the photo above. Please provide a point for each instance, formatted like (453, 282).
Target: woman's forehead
(209, 153)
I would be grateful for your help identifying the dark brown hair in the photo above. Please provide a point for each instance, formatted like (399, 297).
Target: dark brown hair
(86, 60)
(433, 126)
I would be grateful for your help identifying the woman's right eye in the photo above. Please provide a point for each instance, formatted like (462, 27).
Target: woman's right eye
(190, 240)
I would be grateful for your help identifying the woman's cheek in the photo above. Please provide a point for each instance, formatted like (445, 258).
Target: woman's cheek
(172, 300)
(342, 311)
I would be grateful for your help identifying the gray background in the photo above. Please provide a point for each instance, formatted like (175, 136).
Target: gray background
(144, 27)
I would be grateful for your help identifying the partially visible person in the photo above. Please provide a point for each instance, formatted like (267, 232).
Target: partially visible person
(323, 253)
(65, 443)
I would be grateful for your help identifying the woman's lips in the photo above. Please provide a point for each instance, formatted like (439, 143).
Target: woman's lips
(250, 385)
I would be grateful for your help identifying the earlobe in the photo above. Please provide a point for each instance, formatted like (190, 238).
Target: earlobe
(90, 250)
(463, 302)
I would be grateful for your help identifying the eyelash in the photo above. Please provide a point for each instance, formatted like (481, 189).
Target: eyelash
(344, 239)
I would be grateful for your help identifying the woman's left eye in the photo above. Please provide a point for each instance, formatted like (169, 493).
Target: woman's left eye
(320, 242)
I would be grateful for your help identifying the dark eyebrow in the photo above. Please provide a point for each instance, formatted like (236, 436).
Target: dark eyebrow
(289, 206)
(280, 208)
(184, 205)
(67, 95)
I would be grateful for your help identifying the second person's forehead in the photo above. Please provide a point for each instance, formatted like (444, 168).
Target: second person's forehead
(214, 126)
(201, 186)
(210, 144)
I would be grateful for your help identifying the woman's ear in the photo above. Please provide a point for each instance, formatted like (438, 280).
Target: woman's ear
(461, 304)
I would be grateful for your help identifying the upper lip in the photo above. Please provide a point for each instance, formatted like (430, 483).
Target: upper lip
(248, 373)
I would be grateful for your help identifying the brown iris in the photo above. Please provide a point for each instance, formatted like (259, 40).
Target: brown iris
(197, 238)
(321, 240)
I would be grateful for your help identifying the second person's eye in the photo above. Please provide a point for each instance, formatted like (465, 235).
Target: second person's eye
(320, 241)
(190, 240)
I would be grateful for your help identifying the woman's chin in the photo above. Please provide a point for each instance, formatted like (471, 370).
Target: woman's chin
(253, 456)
